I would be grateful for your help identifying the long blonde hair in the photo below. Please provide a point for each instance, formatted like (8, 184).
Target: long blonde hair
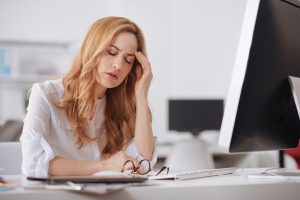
(80, 98)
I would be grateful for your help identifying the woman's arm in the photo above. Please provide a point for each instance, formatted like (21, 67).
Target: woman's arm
(143, 137)
(39, 159)
(67, 166)
(36, 151)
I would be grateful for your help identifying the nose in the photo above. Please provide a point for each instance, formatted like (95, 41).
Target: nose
(116, 67)
(118, 63)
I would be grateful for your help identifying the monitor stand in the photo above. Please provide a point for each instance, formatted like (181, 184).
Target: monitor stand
(190, 154)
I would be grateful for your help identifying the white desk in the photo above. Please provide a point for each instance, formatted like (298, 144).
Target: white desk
(231, 187)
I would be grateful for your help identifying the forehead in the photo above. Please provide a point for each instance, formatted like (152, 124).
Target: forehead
(125, 41)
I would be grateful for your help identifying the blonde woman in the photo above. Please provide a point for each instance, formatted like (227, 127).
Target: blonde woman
(97, 116)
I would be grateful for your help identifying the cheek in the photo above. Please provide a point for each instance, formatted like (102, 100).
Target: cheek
(127, 71)
(105, 60)
(103, 63)
(99, 70)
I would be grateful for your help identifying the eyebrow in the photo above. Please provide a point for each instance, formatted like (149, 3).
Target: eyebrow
(129, 54)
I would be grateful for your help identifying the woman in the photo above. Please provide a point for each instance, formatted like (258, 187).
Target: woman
(97, 116)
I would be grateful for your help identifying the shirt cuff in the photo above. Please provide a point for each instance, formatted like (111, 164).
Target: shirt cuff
(44, 160)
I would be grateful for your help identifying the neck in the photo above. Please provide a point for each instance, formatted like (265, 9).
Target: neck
(100, 92)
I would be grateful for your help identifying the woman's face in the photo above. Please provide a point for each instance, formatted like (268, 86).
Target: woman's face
(117, 60)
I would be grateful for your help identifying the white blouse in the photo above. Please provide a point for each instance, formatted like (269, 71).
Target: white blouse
(47, 132)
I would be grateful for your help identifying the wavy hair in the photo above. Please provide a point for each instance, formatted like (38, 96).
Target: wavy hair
(79, 100)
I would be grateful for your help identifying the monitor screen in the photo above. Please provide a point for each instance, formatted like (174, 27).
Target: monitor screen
(195, 115)
(260, 112)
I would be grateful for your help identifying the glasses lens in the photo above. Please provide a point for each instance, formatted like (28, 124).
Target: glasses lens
(145, 164)
(128, 166)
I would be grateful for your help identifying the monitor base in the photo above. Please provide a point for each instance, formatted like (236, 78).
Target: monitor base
(192, 154)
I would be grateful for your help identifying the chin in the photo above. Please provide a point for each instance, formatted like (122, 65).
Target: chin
(109, 85)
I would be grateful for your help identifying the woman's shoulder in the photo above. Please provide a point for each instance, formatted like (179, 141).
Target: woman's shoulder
(50, 87)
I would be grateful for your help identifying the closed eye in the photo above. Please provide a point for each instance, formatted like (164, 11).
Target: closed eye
(112, 52)
(129, 59)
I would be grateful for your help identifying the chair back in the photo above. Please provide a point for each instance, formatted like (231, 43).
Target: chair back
(10, 158)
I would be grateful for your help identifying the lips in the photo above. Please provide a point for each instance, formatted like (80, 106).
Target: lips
(112, 75)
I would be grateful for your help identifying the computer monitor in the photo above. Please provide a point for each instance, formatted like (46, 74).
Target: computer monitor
(195, 115)
(260, 111)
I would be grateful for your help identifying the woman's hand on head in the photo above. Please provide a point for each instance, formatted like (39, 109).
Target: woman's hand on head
(117, 161)
(144, 76)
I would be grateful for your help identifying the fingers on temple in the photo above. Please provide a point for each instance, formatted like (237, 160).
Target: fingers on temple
(143, 60)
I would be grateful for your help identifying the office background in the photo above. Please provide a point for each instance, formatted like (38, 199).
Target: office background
(191, 45)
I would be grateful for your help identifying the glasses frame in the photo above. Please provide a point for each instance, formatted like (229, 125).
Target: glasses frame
(135, 169)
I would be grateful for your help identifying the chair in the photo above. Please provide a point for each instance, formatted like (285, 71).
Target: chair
(294, 153)
(11, 130)
(10, 158)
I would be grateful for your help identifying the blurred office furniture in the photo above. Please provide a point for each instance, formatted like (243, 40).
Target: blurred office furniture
(11, 131)
(190, 155)
(10, 158)
(23, 63)
(266, 159)
(295, 153)
(10, 147)
(193, 116)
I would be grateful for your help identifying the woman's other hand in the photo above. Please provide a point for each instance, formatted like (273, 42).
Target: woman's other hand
(117, 161)
(144, 76)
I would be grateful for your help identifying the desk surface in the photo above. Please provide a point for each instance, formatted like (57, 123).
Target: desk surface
(231, 187)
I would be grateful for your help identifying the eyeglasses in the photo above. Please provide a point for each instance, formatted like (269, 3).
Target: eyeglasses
(132, 169)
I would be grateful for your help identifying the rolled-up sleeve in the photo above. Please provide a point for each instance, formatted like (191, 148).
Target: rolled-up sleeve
(36, 151)
(132, 151)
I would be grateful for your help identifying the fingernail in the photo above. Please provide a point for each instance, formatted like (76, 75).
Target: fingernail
(139, 52)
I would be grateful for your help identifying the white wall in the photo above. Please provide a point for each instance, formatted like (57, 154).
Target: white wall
(205, 40)
(191, 43)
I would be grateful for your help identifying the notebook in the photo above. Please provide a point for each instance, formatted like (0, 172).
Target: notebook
(132, 178)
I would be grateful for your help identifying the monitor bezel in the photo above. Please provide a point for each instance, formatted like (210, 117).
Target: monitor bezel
(238, 75)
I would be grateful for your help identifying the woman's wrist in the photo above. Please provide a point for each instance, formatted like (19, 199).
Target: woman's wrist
(142, 101)
(96, 166)
(102, 165)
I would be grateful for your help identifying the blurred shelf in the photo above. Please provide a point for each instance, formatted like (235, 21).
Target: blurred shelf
(18, 42)
(24, 80)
